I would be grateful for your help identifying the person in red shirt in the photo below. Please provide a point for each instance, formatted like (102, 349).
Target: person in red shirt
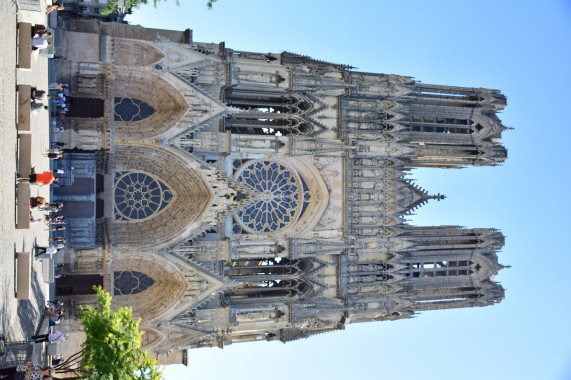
(45, 178)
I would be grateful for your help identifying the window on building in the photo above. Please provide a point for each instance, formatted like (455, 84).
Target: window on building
(440, 125)
(271, 277)
(139, 196)
(130, 282)
(282, 197)
(266, 113)
(131, 109)
(437, 268)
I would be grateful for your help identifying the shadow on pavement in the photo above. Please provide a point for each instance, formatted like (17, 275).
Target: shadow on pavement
(30, 312)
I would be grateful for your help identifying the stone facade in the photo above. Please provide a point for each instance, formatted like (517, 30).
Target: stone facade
(245, 196)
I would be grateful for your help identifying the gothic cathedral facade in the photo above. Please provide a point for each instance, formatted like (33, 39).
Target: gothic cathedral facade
(232, 196)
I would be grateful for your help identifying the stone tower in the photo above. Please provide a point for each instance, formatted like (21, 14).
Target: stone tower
(232, 196)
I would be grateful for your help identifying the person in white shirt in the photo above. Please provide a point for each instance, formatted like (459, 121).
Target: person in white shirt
(51, 337)
(52, 249)
(40, 43)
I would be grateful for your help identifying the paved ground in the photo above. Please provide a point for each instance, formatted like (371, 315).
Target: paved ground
(21, 318)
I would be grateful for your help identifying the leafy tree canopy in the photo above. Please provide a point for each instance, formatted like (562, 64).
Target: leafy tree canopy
(112, 349)
(129, 4)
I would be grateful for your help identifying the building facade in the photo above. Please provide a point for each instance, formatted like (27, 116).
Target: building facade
(232, 196)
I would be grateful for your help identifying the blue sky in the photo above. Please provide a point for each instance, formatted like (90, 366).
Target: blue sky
(518, 47)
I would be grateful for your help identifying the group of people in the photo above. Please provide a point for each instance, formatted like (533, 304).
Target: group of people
(40, 37)
(52, 249)
(61, 103)
(54, 311)
(40, 203)
(37, 97)
(55, 223)
(58, 96)
(30, 371)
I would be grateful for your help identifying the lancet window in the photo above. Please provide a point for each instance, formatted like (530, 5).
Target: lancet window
(441, 125)
(267, 278)
(267, 113)
(240, 269)
(438, 268)
(450, 94)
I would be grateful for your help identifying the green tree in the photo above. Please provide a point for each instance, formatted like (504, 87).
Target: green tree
(112, 348)
(112, 5)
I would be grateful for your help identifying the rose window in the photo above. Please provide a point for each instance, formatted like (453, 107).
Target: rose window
(138, 196)
(280, 194)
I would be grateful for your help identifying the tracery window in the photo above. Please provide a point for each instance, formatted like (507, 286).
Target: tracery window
(267, 113)
(278, 103)
(291, 288)
(258, 269)
(440, 125)
(139, 196)
(281, 195)
(264, 278)
(131, 109)
(438, 268)
(130, 282)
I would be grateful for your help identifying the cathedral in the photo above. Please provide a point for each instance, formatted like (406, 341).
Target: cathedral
(230, 196)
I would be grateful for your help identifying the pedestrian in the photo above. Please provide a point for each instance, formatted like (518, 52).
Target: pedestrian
(56, 6)
(56, 303)
(58, 86)
(40, 43)
(52, 207)
(51, 250)
(39, 94)
(28, 371)
(37, 201)
(45, 178)
(38, 106)
(54, 156)
(57, 359)
(56, 319)
(39, 29)
(34, 220)
(56, 336)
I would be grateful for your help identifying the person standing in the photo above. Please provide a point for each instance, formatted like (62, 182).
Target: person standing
(56, 336)
(40, 43)
(52, 249)
(45, 178)
(28, 371)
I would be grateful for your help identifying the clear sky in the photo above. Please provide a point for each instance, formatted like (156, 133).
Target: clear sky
(519, 47)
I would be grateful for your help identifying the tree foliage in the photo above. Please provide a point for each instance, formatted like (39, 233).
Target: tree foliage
(112, 349)
(129, 4)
